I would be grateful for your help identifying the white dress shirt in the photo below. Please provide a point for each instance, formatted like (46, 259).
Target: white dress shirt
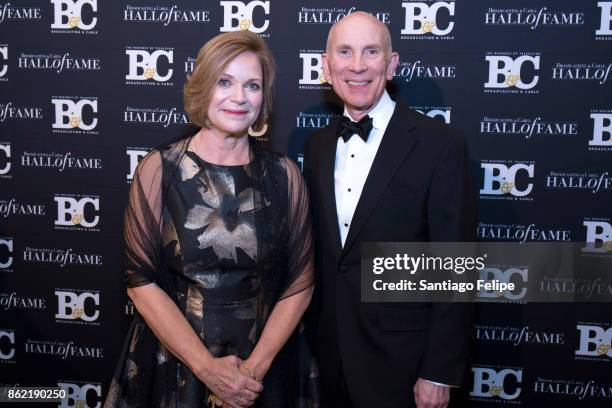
(352, 166)
(353, 161)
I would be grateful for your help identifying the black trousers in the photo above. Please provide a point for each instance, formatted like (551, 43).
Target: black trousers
(335, 395)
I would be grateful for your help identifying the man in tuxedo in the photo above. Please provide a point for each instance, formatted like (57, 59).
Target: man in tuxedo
(383, 172)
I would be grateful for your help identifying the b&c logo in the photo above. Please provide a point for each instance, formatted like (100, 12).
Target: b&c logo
(595, 341)
(599, 233)
(7, 344)
(605, 23)
(239, 16)
(72, 211)
(490, 383)
(145, 65)
(505, 71)
(71, 306)
(500, 179)
(312, 69)
(70, 114)
(602, 129)
(421, 18)
(135, 156)
(67, 14)
(80, 395)
(5, 150)
(6, 246)
(490, 274)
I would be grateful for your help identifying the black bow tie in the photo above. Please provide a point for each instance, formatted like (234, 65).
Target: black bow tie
(348, 128)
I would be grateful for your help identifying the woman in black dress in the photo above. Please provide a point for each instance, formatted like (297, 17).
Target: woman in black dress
(218, 250)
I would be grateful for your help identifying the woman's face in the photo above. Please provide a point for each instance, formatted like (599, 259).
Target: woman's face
(237, 96)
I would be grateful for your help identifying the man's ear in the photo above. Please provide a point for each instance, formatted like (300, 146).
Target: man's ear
(392, 65)
(325, 62)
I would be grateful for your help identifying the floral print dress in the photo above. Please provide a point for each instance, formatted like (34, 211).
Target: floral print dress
(225, 243)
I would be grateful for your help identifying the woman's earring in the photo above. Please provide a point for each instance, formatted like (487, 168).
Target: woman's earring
(260, 133)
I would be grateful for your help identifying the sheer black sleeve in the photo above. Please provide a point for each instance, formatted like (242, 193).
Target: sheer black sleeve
(142, 237)
(300, 248)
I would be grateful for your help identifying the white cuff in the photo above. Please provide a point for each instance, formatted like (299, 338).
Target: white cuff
(441, 385)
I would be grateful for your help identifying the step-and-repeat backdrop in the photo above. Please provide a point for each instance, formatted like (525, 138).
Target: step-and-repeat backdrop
(88, 87)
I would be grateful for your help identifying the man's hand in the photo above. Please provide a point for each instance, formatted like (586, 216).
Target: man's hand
(428, 395)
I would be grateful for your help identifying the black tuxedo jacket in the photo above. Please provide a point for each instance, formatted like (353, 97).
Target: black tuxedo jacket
(419, 188)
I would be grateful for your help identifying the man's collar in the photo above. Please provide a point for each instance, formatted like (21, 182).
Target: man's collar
(381, 113)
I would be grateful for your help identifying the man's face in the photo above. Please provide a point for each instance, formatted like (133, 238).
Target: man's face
(358, 64)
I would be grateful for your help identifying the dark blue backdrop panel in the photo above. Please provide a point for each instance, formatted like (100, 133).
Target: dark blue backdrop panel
(89, 87)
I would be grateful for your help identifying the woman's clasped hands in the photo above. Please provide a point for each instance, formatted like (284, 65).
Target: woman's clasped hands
(232, 386)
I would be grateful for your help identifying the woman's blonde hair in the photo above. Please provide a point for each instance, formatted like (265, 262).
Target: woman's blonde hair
(213, 58)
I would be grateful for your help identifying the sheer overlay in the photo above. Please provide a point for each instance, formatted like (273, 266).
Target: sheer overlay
(226, 243)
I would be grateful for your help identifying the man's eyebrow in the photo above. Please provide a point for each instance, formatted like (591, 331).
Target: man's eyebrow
(341, 46)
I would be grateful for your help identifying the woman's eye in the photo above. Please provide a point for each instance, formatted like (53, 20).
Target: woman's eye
(224, 83)
(254, 87)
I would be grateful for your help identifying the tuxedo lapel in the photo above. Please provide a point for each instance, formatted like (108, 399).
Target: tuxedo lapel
(398, 140)
(328, 192)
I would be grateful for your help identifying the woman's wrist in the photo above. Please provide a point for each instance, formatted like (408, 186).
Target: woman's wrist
(202, 365)
(255, 368)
